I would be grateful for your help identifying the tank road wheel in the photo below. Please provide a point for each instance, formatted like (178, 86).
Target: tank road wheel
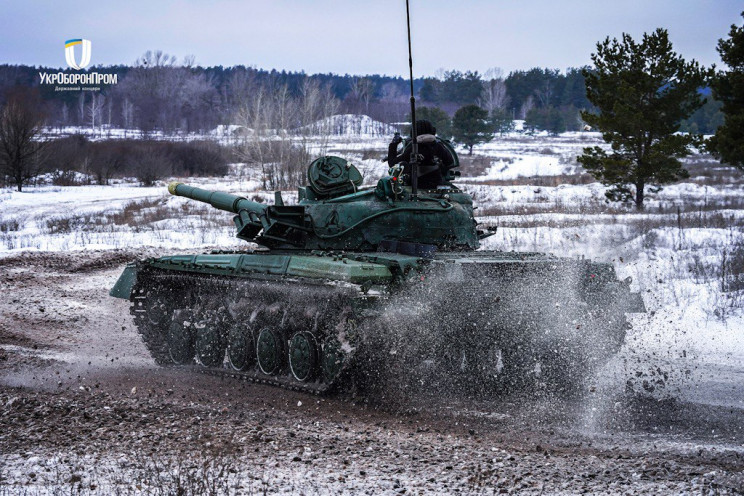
(180, 338)
(210, 343)
(303, 356)
(564, 371)
(332, 359)
(157, 310)
(269, 350)
(241, 350)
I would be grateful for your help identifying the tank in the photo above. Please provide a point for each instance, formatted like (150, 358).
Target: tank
(375, 287)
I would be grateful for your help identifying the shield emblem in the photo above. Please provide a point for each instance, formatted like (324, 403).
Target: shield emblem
(70, 53)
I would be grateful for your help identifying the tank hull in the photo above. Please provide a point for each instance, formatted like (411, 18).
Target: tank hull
(466, 321)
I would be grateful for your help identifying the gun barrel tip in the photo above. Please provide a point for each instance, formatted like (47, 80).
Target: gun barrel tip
(172, 187)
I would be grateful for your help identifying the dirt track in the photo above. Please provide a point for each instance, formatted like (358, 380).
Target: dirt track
(82, 407)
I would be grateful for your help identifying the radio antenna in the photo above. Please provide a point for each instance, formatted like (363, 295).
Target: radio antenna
(414, 142)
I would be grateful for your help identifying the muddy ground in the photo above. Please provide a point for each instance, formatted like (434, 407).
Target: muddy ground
(83, 409)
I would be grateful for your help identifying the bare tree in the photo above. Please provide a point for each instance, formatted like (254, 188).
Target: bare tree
(21, 122)
(529, 104)
(393, 103)
(545, 93)
(104, 163)
(127, 113)
(158, 58)
(241, 84)
(109, 111)
(309, 108)
(151, 87)
(189, 61)
(95, 109)
(493, 73)
(268, 117)
(494, 95)
(317, 106)
(197, 100)
(251, 117)
(361, 91)
(81, 108)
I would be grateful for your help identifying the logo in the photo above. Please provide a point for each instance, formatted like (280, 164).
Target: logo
(70, 53)
(78, 81)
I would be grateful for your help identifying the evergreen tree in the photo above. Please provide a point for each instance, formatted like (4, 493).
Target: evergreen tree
(470, 127)
(548, 119)
(642, 92)
(704, 120)
(501, 121)
(728, 87)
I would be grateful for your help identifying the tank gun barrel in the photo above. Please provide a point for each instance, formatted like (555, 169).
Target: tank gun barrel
(270, 225)
(218, 199)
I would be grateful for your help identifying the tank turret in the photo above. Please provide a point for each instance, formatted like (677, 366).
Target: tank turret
(332, 213)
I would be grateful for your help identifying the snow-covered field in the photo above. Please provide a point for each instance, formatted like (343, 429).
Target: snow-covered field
(685, 252)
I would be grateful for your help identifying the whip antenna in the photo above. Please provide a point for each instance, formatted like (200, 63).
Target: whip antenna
(414, 142)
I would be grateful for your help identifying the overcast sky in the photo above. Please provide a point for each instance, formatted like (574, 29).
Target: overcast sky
(357, 37)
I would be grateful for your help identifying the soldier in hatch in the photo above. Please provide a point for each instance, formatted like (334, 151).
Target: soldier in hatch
(436, 159)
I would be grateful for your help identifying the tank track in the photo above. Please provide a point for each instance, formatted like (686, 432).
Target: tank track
(154, 288)
(491, 344)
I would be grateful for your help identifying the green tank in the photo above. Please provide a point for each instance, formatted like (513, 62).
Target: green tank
(376, 287)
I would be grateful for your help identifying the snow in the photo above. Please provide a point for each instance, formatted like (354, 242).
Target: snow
(351, 125)
(524, 167)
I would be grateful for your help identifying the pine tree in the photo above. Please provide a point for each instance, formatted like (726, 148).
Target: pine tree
(501, 121)
(470, 126)
(728, 87)
(548, 119)
(642, 92)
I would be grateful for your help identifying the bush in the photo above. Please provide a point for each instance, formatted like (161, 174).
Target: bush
(283, 164)
(75, 160)
(65, 158)
(199, 158)
(150, 164)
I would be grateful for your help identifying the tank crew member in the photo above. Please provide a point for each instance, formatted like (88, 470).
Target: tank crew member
(436, 159)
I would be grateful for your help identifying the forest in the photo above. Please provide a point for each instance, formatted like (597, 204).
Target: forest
(161, 93)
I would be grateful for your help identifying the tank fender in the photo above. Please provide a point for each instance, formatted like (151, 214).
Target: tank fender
(125, 283)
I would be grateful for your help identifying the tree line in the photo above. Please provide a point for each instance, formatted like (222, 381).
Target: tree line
(158, 92)
(638, 94)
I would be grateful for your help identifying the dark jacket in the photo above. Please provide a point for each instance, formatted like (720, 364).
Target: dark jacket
(436, 160)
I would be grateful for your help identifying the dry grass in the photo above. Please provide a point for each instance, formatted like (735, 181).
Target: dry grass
(144, 211)
(372, 154)
(476, 165)
(707, 171)
(545, 181)
(138, 216)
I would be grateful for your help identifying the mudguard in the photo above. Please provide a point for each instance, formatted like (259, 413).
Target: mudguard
(127, 280)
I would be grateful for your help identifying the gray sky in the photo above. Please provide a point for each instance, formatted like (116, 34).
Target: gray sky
(357, 37)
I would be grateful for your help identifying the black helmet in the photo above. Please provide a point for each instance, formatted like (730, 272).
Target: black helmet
(425, 127)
